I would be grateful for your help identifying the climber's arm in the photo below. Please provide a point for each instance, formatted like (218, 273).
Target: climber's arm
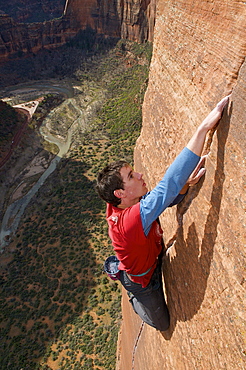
(186, 170)
(164, 194)
(198, 172)
(196, 143)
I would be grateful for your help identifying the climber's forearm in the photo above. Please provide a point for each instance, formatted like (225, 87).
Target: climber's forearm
(196, 143)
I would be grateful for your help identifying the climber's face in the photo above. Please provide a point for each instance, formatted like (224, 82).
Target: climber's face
(134, 187)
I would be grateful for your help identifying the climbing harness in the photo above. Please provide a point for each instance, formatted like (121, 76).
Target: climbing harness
(144, 273)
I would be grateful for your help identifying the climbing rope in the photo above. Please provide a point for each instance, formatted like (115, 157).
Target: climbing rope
(136, 344)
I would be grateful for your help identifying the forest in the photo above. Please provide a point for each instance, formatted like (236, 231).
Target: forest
(58, 309)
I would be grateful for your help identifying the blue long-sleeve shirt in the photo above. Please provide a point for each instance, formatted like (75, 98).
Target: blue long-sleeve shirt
(162, 196)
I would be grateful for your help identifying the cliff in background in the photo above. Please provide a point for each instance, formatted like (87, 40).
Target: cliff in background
(133, 20)
(16, 39)
(32, 10)
(199, 56)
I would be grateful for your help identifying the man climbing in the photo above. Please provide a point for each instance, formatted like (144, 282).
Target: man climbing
(132, 216)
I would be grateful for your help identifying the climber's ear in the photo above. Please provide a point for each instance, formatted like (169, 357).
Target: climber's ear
(119, 193)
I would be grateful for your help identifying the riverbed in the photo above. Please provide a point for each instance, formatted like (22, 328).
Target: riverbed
(22, 93)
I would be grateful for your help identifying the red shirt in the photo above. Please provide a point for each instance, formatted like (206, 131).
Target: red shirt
(136, 252)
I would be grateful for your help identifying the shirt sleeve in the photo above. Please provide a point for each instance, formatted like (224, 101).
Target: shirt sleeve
(158, 199)
(178, 199)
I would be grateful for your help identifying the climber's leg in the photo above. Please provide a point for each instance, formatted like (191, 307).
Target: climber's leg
(149, 303)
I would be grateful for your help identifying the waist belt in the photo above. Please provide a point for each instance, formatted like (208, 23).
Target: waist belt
(144, 273)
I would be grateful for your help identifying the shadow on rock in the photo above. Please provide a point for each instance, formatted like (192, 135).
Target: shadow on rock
(186, 275)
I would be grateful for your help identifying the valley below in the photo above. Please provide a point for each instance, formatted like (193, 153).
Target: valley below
(58, 309)
(63, 121)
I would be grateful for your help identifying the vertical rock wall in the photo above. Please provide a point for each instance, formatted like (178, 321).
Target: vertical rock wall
(133, 20)
(19, 38)
(199, 56)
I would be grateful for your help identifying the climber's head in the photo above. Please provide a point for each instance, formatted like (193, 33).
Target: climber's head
(109, 180)
(119, 185)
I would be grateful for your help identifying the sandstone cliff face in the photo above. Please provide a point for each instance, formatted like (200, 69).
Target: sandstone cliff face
(133, 20)
(18, 38)
(199, 56)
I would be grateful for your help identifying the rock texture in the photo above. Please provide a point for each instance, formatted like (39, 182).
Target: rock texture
(133, 20)
(199, 56)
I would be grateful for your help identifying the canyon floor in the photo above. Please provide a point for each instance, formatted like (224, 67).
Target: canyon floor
(58, 309)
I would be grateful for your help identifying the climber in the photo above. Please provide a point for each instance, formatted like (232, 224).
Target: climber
(132, 216)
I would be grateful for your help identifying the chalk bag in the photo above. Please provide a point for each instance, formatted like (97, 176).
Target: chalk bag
(111, 267)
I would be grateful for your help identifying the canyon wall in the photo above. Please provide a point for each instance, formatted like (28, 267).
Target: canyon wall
(133, 20)
(32, 10)
(199, 57)
(16, 39)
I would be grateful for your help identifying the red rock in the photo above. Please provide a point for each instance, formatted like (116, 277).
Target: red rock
(18, 38)
(129, 20)
(133, 20)
(199, 56)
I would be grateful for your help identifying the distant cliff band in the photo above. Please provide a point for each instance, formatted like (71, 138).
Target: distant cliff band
(127, 20)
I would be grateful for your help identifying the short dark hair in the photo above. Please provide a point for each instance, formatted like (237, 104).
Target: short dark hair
(109, 180)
